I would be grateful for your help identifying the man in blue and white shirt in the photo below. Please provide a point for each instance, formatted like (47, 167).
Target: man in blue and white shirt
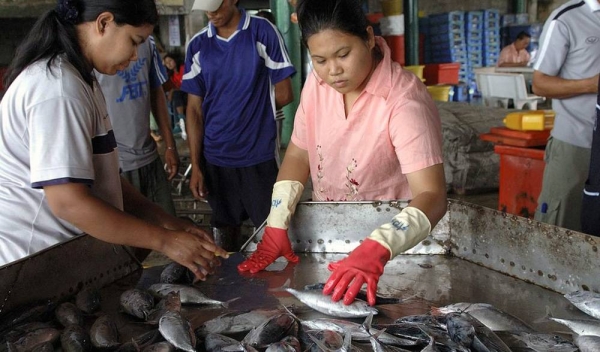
(566, 70)
(237, 74)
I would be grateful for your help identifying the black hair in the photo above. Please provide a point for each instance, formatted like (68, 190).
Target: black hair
(523, 35)
(347, 16)
(54, 33)
(266, 14)
(176, 58)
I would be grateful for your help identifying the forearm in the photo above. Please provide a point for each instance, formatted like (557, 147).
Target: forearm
(560, 88)
(295, 165)
(195, 129)
(102, 221)
(513, 64)
(284, 93)
(161, 116)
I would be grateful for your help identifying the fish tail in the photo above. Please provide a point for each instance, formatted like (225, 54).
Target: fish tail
(546, 317)
(285, 285)
(226, 303)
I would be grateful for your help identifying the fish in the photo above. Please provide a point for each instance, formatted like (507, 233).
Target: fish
(75, 338)
(287, 344)
(588, 343)
(177, 331)
(171, 303)
(104, 333)
(588, 302)
(222, 343)
(541, 342)
(175, 273)
(488, 315)
(67, 314)
(140, 342)
(232, 323)
(137, 303)
(38, 312)
(44, 347)
(322, 303)
(187, 294)
(581, 326)
(88, 300)
(409, 331)
(272, 330)
(163, 346)
(34, 338)
(329, 341)
(471, 333)
(362, 295)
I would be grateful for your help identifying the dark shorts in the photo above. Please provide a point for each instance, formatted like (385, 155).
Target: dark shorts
(238, 194)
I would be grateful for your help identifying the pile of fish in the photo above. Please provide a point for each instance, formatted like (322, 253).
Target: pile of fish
(79, 325)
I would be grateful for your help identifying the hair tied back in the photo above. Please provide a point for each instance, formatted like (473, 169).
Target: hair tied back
(67, 11)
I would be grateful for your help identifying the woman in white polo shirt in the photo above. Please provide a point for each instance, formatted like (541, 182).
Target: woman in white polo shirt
(59, 173)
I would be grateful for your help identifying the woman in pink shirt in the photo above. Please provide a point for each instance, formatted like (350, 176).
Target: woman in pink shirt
(365, 130)
(515, 54)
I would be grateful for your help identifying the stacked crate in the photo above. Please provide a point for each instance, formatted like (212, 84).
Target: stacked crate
(446, 40)
(474, 31)
(491, 37)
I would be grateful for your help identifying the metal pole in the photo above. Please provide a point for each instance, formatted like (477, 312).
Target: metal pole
(521, 6)
(411, 32)
(291, 35)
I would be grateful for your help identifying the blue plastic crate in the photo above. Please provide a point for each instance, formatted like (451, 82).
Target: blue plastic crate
(456, 27)
(461, 93)
(491, 14)
(450, 38)
(474, 42)
(447, 17)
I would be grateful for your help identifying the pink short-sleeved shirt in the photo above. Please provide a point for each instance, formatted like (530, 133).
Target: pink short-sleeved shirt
(393, 129)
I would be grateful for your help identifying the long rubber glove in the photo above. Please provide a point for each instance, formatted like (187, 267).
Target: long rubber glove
(365, 263)
(275, 241)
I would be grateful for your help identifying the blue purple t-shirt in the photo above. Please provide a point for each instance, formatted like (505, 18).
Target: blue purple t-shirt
(236, 78)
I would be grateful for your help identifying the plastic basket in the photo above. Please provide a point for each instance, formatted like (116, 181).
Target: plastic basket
(440, 93)
(417, 70)
(391, 7)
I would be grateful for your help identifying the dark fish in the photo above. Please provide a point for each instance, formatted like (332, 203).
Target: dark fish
(273, 330)
(232, 323)
(588, 343)
(68, 314)
(160, 347)
(409, 331)
(187, 294)
(22, 330)
(137, 303)
(37, 337)
(471, 333)
(88, 300)
(104, 333)
(37, 313)
(489, 315)
(171, 303)
(328, 341)
(178, 331)
(44, 347)
(545, 342)
(222, 343)
(75, 339)
(176, 273)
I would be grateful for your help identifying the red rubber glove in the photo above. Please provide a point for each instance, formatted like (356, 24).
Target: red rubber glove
(274, 244)
(363, 265)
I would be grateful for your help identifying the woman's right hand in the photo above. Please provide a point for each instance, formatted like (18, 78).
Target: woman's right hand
(193, 251)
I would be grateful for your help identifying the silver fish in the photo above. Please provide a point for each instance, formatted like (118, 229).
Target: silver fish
(487, 314)
(581, 326)
(104, 333)
(75, 339)
(322, 303)
(587, 302)
(170, 303)
(67, 314)
(588, 343)
(137, 303)
(160, 347)
(187, 294)
(232, 323)
(330, 341)
(222, 343)
(272, 330)
(287, 344)
(545, 342)
(178, 331)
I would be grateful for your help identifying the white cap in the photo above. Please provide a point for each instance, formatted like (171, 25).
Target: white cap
(207, 5)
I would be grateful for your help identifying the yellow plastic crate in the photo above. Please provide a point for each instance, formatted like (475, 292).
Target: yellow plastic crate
(440, 93)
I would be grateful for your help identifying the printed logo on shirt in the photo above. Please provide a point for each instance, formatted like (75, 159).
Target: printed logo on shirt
(592, 40)
(133, 89)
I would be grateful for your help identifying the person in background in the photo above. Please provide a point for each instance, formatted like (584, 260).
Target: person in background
(130, 96)
(59, 165)
(566, 70)
(237, 74)
(177, 99)
(266, 14)
(516, 54)
(365, 130)
(590, 208)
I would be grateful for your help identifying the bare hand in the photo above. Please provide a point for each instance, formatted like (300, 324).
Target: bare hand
(171, 163)
(197, 184)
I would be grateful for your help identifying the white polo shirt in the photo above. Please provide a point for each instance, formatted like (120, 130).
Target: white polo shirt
(570, 49)
(54, 129)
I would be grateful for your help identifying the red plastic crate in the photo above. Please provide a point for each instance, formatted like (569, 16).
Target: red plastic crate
(521, 173)
(396, 44)
(441, 73)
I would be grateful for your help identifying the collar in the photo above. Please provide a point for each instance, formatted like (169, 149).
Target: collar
(380, 82)
(242, 25)
(593, 5)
